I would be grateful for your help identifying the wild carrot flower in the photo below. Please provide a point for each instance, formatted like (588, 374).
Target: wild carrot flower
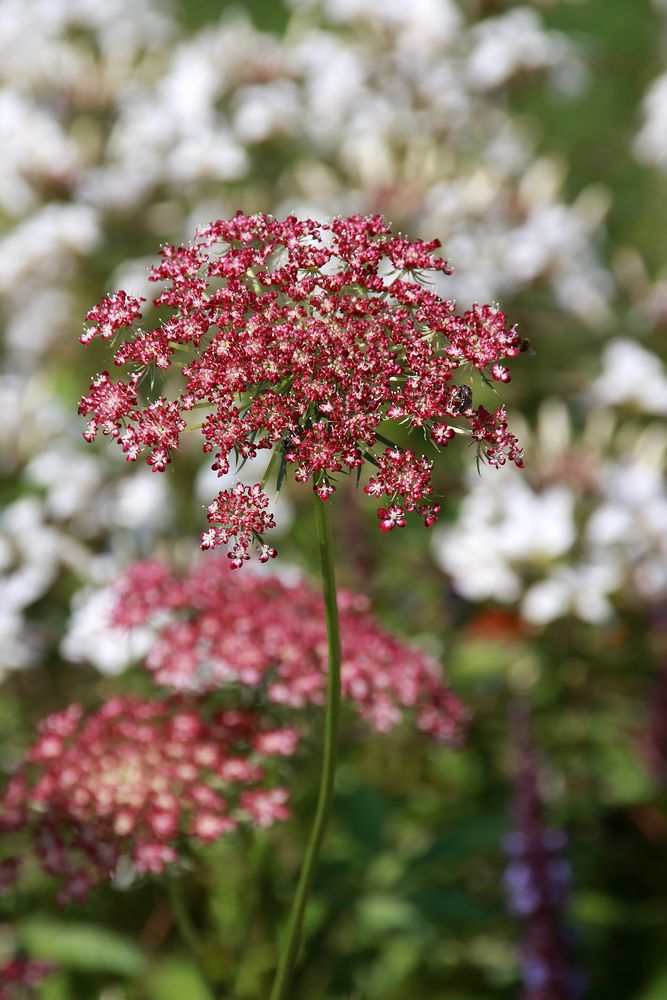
(308, 340)
(214, 631)
(136, 780)
(537, 881)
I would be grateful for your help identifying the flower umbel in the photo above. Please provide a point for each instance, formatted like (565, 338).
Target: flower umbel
(305, 339)
(135, 781)
(213, 631)
(241, 514)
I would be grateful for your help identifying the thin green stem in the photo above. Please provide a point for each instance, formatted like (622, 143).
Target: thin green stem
(182, 347)
(188, 931)
(257, 850)
(290, 950)
(270, 467)
(385, 440)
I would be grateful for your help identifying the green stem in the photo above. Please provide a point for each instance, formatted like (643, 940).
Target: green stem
(269, 469)
(188, 931)
(257, 849)
(182, 347)
(384, 440)
(290, 949)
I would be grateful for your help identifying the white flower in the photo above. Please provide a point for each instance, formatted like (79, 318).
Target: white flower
(263, 111)
(34, 145)
(571, 547)
(140, 501)
(583, 589)
(44, 244)
(631, 376)
(17, 649)
(515, 41)
(72, 478)
(504, 527)
(651, 141)
(92, 638)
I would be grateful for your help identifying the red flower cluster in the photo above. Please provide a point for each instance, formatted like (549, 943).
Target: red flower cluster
(214, 631)
(134, 778)
(304, 338)
(244, 507)
(20, 977)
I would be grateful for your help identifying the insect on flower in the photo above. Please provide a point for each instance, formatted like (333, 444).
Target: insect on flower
(463, 398)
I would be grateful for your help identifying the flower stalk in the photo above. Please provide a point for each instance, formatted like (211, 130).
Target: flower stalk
(188, 932)
(290, 948)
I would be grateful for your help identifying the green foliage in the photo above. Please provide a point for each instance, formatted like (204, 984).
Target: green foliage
(83, 947)
(175, 979)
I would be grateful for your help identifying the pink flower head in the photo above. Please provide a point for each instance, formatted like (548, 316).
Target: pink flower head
(214, 631)
(392, 517)
(133, 780)
(9, 873)
(240, 514)
(20, 977)
(306, 338)
(114, 313)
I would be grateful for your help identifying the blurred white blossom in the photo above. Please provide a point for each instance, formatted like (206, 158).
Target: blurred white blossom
(631, 376)
(32, 552)
(651, 140)
(70, 501)
(583, 527)
(503, 46)
(92, 638)
(504, 526)
(397, 108)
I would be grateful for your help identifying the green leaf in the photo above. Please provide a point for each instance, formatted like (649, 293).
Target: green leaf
(385, 440)
(281, 472)
(80, 946)
(658, 988)
(384, 913)
(176, 979)
(598, 908)
(55, 987)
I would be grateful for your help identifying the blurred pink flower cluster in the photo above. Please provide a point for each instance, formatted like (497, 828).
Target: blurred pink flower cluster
(304, 338)
(19, 977)
(135, 784)
(135, 780)
(214, 630)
